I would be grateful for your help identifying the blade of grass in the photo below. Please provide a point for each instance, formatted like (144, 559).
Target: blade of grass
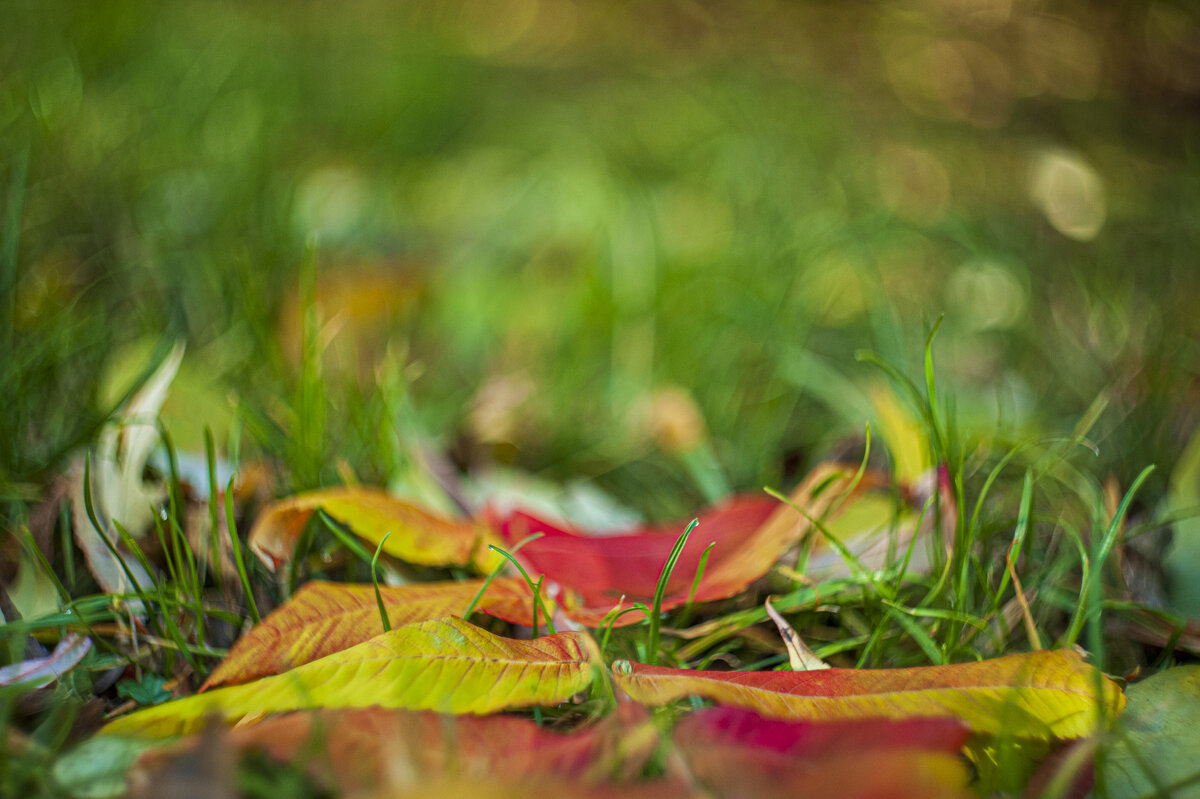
(610, 619)
(238, 559)
(383, 615)
(167, 618)
(851, 560)
(537, 598)
(1023, 513)
(537, 593)
(1094, 587)
(805, 549)
(495, 573)
(700, 567)
(346, 540)
(90, 508)
(214, 547)
(919, 635)
(175, 500)
(664, 576)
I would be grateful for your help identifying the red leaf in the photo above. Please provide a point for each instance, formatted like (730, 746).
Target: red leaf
(739, 753)
(732, 726)
(602, 569)
(748, 534)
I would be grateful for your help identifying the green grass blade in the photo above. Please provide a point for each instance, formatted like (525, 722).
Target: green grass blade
(537, 598)
(214, 515)
(383, 614)
(495, 573)
(238, 559)
(663, 577)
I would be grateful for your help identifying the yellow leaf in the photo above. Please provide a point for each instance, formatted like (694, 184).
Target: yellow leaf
(323, 618)
(902, 433)
(1049, 694)
(447, 665)
(417, 536)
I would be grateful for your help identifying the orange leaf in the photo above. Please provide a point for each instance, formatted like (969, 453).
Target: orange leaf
(749, 535)
(360, 749)
(1049, 694)
(417, 536)
(323, 618)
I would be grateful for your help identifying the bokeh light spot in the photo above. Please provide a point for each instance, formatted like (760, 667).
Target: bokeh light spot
(1070, 193)
(913, 183)
(985, 295)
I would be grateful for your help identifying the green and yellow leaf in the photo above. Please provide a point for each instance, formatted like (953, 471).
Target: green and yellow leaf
(322, 618)
(447, 665)
(417, 536)
(1050, 694)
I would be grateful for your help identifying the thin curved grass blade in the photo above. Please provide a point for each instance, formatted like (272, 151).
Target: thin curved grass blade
(1041, 695)
(322, 618)
(447, 665)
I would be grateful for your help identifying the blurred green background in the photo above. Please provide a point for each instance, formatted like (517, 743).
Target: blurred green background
(527, 219)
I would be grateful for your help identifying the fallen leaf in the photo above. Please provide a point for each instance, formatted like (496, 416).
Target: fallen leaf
(1048, 694)
(902, 433)
(353, 750)
(725, 727)
(800, 657)
(447, 665)
(1157, 751)
(43, 671)
(119, 490)
(737, 752)
(417, 536)
(749, 535)
(541, 788)
(846, 775)
(322, 618)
